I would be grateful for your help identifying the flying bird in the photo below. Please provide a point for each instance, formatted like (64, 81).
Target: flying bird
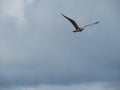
(77, 28)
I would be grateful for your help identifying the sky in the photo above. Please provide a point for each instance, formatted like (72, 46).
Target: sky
(39, 51)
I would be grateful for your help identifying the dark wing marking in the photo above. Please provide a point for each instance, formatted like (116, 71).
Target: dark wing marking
(90, 24)
(72, 21)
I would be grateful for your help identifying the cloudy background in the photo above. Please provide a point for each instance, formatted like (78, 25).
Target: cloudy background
(39, 51)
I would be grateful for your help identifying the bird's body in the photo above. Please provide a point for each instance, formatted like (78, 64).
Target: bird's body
(77, 28)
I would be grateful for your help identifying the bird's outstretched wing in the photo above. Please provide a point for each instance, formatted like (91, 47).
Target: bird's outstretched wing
(72, 21)
(90, 24)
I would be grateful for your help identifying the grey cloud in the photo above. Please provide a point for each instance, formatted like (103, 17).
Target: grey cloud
(45, 51)
(84, 86)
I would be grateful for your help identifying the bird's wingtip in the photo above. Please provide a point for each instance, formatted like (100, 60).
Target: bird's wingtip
(62, 14)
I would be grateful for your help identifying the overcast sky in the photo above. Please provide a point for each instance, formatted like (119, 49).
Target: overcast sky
(39, 51)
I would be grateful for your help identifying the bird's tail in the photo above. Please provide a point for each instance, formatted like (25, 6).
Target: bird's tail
(75, 31)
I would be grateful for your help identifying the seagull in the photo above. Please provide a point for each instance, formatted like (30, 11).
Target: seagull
(77, 28)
